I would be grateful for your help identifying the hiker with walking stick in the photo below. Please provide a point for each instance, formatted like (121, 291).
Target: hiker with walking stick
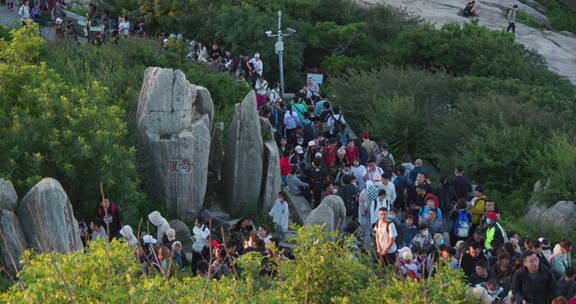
(110, 215)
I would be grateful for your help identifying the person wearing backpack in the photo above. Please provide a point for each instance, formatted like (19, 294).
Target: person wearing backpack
(349, 194)
(291, 122)
(494, 232)
(370, 145)
(401, 184)
(336, 121)
(24, 12)
(462, 222)
(318, 176)
(511, 16)
(385, 239)
(385, 159)
(110, 216)
(377, 204)
(478, 206)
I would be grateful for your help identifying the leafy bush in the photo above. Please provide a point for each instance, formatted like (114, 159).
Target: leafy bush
(325, 271)
(557, 170)
(75, 135)
(563, 20)
(461, 50)
(522, 17)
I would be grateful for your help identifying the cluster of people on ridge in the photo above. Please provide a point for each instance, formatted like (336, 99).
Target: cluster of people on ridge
(395, 211)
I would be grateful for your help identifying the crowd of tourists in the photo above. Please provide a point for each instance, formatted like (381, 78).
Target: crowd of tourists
(394, 213)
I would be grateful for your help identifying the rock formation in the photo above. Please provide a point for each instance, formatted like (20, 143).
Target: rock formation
(174, 119)
(298, 207)
(332, 205)
(272, 181)
(48, 219)
(561, 215)
(8, 196)
(243, 168)
(12, 240)
(322, 215)
(336, 203)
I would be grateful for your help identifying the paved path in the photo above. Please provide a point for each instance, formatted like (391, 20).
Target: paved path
(558, 49)
(8, 17)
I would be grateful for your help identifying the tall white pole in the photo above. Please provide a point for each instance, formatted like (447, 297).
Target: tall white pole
(280, 52)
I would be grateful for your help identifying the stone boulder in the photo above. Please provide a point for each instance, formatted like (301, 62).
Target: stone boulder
(561, 215)
(8, 196)
(242, 172)
(12, 241)
(336, 203)
(174, 119)
(272, 180)
(298, 207)
(48, 219)
(183, 235)
(323, 214)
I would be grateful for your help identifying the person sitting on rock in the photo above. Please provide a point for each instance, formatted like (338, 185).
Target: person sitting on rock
(471, 10)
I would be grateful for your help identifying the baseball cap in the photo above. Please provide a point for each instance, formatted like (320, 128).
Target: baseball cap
(492, 215)
(299, 150)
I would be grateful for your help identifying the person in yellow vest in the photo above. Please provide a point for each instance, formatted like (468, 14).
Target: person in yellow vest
(494, 231)
(477, 206)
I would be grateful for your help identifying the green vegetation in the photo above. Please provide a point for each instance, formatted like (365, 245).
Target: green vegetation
(67, 111)
(562, 14)
(497, 111)
(563, 20)
(332, 34)
(524, 18)
(323, 272)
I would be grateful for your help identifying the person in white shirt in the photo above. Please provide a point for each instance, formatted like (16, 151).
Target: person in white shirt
(364, 211)
(313, 88)
(386, 239)
(257, 64)
(359, 171)
(377, 204)
(200, 234)
(124, 26)
(274, 95)
(280, 214)
(24, 12)
(264, 234)
(333, 118)
(390, 189)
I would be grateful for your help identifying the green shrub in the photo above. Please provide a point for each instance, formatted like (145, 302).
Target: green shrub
(557, 170)
(51, 129)
(460, 50)
(324, 271)
(522, 17)
(563, 20)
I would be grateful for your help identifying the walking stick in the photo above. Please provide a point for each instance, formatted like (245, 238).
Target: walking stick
(105, 211)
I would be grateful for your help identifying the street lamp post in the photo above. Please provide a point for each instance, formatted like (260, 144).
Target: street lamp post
(279, 49)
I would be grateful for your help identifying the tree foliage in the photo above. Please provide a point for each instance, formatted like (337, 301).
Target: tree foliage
(324, 271)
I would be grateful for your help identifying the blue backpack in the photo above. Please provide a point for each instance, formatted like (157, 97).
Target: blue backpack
(462, 225)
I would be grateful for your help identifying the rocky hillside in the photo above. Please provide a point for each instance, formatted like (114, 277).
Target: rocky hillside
(559, 49)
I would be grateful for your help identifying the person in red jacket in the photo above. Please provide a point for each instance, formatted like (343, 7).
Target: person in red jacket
(352, 151)
(284, 166)
(329, 153)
